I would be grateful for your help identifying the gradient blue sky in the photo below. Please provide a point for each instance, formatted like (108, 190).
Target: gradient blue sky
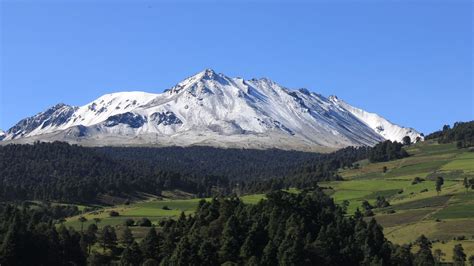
(410, 61)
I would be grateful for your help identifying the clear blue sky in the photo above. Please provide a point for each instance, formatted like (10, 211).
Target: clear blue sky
(410, 61)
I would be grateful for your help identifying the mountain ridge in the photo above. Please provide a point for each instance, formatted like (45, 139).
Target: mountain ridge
(216, 110)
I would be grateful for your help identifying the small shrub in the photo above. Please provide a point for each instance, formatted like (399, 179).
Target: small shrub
(417, 180)
(114, 213)
(145, 222)
(129, 222)
(166, 208)
(424, 190)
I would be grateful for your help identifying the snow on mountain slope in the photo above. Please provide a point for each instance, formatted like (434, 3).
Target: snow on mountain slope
(2, 134)
(212, 109)
(379, 124)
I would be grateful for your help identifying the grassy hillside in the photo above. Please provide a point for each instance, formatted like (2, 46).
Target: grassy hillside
(418, 209)
(415, 208)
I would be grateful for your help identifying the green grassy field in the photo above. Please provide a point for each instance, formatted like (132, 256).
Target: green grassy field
(153, 209)
(418, 209)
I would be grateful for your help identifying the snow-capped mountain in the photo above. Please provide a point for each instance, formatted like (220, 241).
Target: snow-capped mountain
(212, 109)
(2, 134)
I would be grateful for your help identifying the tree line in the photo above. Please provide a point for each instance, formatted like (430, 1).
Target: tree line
(462, 133)
(70, 173)
(307, 228)
(387, 151)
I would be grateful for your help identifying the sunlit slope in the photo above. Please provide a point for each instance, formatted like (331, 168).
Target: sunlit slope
(416, 208)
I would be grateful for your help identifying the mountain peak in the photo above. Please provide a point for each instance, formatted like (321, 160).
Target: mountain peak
(208, 72)
(213, 109)
(333, 98)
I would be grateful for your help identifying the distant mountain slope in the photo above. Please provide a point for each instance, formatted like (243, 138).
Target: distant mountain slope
(215, 110)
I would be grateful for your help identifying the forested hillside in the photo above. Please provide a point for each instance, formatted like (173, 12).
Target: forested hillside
(306, 228)
(235, 164)
(462, 133)
(70, 173)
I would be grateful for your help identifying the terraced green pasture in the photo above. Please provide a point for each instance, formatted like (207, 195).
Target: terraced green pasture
(418, 208)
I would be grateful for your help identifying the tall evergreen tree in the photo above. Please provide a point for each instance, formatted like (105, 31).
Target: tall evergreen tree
(402, 256)
(423, 256)
(91, 236)
(230, 244)
(131, 255)
(108, 238)
(126, 238)
(459, 257)
(466, 184)
(290, 251)
(150, 245)
(439, 184)
(184, 254)
(208, 253)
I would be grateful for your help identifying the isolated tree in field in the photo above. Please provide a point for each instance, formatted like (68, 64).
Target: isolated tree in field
(438, 255)
(145, 222)
(466, 183)
(108, 238)
(381, 202)
(126, 238)
(384, 169)
(129, 222)
(82, 220)
(459, 257)
(406, 140)
(424, 255)
(439, 184)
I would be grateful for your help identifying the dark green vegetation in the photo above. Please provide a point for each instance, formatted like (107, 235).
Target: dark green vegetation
(428, 193)
(29, 237)
(304, 228)
(69, 173)
(462, 134)
(387, 151)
